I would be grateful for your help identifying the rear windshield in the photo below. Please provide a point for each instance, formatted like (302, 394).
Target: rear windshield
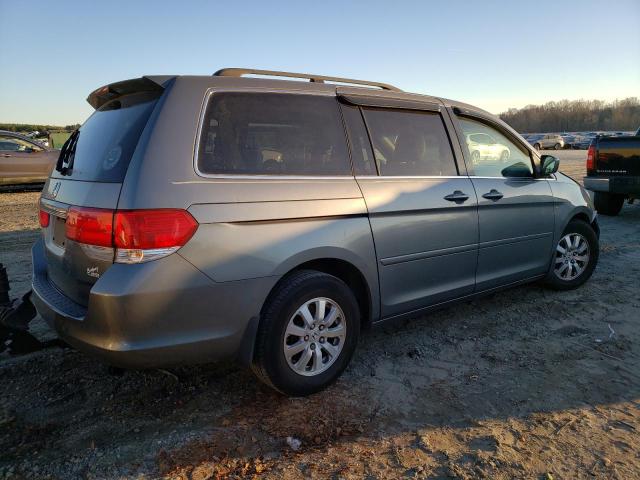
(273, 134)
(100, 151)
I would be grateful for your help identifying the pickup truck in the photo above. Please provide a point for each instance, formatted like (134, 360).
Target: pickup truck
(613, 172)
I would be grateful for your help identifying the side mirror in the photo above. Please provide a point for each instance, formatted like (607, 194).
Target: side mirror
(517, 170)
(548, 165)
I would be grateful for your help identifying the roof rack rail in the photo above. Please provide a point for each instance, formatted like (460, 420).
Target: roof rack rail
(239, 72)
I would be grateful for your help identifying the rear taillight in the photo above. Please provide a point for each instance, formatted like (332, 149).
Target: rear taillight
(92, 226)
(591, 157)
(142, 235)
(44, 219)
(137, 235)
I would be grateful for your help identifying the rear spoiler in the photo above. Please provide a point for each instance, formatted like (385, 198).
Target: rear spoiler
(102, 95)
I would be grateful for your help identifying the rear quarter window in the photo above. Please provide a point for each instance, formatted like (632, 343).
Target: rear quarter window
(272, 134)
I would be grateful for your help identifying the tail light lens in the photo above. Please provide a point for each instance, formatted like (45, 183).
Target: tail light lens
(137, 235)
(92, 226)
(44, 219)
(148, 229)
(591, 157)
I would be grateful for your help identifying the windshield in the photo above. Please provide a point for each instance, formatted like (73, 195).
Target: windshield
(101, 149)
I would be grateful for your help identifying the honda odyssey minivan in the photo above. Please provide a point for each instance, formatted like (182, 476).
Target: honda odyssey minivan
(196, 218)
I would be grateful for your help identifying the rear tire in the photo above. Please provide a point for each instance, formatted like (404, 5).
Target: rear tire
(297, 374)
(575, 265)
(536, 146)
(556, 146)
(608, 203)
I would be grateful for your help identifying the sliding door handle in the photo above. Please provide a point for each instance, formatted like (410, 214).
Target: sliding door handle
(457, 196)
(494, 195)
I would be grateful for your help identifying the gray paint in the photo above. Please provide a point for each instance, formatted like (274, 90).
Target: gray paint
(414, 249)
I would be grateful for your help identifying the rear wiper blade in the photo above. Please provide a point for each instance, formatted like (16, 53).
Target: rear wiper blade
(67, 154)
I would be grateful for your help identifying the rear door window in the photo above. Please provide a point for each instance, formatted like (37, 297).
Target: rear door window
(410, 143)
(100, 151)
(272, 134)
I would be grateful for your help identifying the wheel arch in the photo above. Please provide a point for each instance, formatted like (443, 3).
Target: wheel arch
(586, 216)
(346, 271)
(333, 261)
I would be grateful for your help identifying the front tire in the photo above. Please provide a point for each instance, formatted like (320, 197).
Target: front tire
(608, 203)
(575, 257)
(308, 333)
(537, 146)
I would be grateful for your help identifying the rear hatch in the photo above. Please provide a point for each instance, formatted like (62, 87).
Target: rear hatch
(78, 201)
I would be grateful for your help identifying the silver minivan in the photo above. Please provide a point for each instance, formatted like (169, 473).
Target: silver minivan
(196, 218)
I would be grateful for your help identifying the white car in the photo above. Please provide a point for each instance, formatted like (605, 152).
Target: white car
(483, 146)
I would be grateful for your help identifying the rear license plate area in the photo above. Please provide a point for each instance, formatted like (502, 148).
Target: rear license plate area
(58, 236)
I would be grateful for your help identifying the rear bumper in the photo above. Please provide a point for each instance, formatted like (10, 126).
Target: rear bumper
(161, 313)
(618, 185)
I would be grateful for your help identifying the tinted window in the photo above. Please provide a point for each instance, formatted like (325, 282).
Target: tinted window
(273, 134)
(410, 143)
(107, 140)
(492, 154)
(361, 153)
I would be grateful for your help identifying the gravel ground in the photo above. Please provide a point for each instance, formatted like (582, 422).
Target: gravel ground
(526, 383)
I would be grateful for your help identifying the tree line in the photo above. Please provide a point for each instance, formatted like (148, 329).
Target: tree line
(576, 116)
(28, 127)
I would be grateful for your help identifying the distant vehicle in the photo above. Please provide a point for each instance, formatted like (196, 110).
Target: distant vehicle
(613, 171)
(23, 160)
(569, 139)
(484, 147)
(548, 140)
(582, 142)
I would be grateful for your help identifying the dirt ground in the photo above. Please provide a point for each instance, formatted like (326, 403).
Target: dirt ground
(526, 383)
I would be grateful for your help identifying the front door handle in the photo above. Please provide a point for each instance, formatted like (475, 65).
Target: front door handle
(494, 195)
(457, 196)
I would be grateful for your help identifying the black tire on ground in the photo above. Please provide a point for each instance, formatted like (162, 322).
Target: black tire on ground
(536, 146)
(583, 228)
(556, 146)
(269, 362)
(608, 203)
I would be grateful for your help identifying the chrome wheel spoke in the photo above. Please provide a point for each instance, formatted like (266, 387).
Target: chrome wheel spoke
(316, 363)
(337, 331)
(306, 314)
(295, 330)
(303, 361)
(332, 351)
(330, 319)
(321, 306)
(292, 350)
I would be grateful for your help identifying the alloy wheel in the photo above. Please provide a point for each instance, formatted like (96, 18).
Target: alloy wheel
(315, 336)
(572, 256)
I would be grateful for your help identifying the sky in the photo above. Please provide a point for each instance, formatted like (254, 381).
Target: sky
(493, 54)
